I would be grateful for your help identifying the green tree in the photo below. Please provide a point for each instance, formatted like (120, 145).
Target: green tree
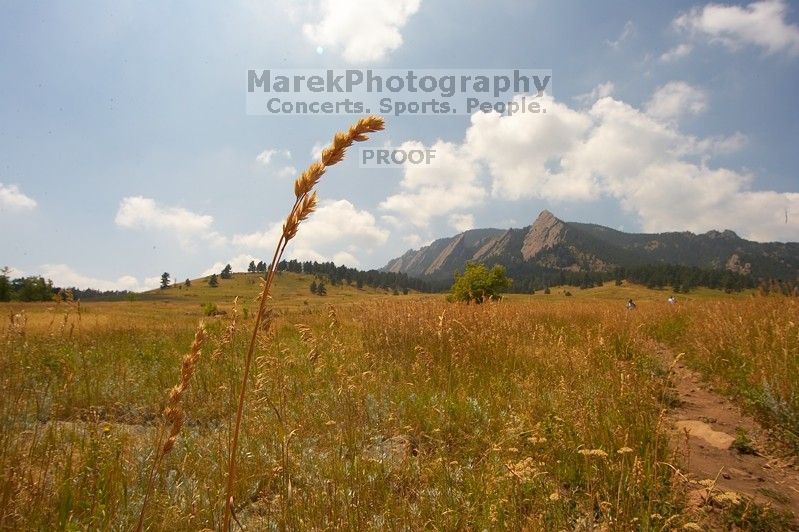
(478, 284)
(33, 289)
(212, 282)
(320, 289)
(5, 286)
(252, 268)
(187, 282)
(227, 272)
(313, 287)
(164, 280)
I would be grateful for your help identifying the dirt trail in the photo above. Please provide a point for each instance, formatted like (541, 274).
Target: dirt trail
(705, 425)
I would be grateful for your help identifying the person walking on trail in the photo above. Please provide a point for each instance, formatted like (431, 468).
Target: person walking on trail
(630, 305)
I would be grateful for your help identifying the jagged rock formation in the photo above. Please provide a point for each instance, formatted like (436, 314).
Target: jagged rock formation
(552, 243)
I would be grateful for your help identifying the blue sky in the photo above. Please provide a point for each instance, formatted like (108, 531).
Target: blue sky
(126, 149)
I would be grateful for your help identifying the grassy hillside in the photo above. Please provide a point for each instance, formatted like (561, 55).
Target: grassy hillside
(636, 292)
(290, 290)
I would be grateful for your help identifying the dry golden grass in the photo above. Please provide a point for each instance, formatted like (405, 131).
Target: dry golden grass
(749, 350)
(304, 205)
(173, 413)
(391, 413)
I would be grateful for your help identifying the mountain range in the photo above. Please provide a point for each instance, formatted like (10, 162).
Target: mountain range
(550, 244)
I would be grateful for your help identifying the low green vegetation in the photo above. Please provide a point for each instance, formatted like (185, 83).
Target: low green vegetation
(479, 284)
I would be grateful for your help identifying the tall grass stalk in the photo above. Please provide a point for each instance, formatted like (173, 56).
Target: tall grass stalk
(304, 205)
(174, 415)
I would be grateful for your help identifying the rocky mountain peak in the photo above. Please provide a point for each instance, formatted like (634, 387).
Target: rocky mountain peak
(547, 231)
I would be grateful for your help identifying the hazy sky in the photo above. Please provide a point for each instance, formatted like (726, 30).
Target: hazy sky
(126, 149)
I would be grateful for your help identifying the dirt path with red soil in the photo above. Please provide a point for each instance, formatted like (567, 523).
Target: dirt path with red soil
(705, 426)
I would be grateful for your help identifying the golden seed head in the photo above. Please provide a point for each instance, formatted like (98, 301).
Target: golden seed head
(308, 179)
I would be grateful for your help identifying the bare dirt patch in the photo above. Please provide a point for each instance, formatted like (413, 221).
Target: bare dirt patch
(726, 451)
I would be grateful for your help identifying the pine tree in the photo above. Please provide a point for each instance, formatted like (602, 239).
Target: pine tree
(227, 272)
(212, 282)
(320, 289)
(187, 283)
(164, 280)
(313, 287)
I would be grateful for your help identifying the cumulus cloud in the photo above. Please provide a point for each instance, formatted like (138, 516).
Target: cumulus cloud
(413, 240)
(337, 227)
(363, 31)
(678, 52)
(761, 24)
(676, 99)
(637, 156)
(346, 259)
(137, 212)
(449, 183)
(523, 151)
(316, 149)
(600, 91)
(13, 272)
(278, 162)
(286, 172)
(265, 157)
(12, 199)
(140, 212)
(65, 276)
(239, 263)
(461, 222)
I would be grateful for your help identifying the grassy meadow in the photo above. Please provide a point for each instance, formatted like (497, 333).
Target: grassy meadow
(373, 411)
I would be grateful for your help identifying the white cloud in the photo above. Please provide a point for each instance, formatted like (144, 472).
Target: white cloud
(363, 31)
(678, 52)
(346, 259)
(12, 198)
(64, 276)
(239, 263)
(762, 24)
(523, 152)
(600, 91)
(265, 157)
(140, 212)
(286, 172)
(269, 158)
(137, 212)
(336, 225)
(717, 145)
(316, 149)
(413, 240)
(268, 155)
(461, 222)
(675, 99)
(614, 150)
(447, 184)
(626, 33)
(14, 273)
